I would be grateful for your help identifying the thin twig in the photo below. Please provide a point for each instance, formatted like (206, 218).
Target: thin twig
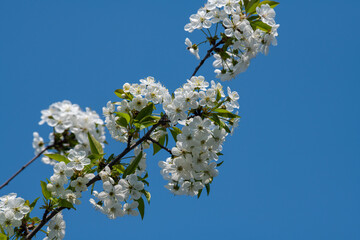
(162, 120)
(23, 167)
(160, 145)
(208, 54)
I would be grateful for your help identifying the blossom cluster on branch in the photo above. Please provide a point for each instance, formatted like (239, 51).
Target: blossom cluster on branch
(248, 26)
(190, 125)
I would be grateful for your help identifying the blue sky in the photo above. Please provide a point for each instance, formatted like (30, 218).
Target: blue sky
(291, 169)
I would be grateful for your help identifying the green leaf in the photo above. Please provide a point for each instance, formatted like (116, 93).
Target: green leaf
(64, 203)
(122, 122)
(252, 18)
(119, 168)
(199, 193)
(146, 111)
(251, 6)
(207, 186)
(58, 157)
(219, 164)
(272, 4)
(45, 191)
(156, 147)
(3, 236)
(260, 25)
(141, 207)
(124, 115)
(132, 167)
(95, 146)
(119, 93)
(174, 132)
(32, 205)
(218, 95)
(225, 113)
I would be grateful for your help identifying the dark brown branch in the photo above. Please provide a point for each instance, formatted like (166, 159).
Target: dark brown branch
(208, 54)
(160, 145)
(97, 177)
(23, 167)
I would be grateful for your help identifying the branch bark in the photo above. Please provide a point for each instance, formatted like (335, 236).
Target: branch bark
(208, 54)
(23, 167)
(160, 145)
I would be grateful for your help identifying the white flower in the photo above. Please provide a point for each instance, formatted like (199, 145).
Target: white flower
(78, 160)
(193, 48)
(56, 228)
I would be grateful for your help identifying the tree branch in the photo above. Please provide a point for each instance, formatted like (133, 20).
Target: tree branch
(160, 145)
(162, 120)
(23, 167)
(208, 54)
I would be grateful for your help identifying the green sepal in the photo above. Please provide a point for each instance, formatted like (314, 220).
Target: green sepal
(58, 157)
(147, 195)
(45, 191)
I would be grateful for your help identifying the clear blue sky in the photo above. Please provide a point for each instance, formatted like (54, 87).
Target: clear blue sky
(291, 169)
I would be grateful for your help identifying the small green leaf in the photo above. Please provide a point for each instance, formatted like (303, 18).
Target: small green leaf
(260, 25)
(219, 164)
(207, 186)
(199, 193)
(146, 111)
(251, 6)
(66, 204)
(3, 236)
(122, 122)
(156, 147)
(225, 113)
(272, 4)
(124, 115)
(141, 207)
(174, 132)
(132, 167)
(45, 191)
(95, 146)
(218, 95)
(32, 205)
(119, 168)
(58, 157)
(119, 92)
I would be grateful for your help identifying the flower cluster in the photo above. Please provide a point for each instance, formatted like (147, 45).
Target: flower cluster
(249, 28)
(12, 211)
(71, 127)
(77, 160)
(135, 98)
(115, 200)
(202, 112)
